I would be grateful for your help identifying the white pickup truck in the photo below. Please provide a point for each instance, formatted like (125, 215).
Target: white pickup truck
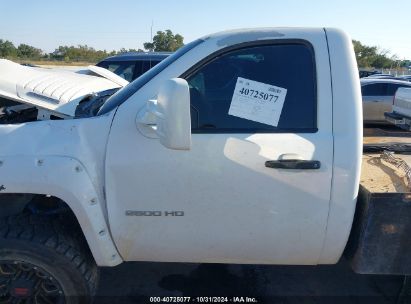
(242, 147)
(401, 109)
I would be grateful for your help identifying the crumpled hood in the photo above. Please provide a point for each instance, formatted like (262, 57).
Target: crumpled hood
(55, 90)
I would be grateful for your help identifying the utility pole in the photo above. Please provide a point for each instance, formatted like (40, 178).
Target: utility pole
(152, 24)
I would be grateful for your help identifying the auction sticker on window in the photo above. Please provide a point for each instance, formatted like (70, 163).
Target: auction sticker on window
(257, 101)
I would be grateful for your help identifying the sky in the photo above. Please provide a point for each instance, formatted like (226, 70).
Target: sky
(111, 25)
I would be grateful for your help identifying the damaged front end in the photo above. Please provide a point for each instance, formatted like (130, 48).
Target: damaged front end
(30, 94)
(12, 112)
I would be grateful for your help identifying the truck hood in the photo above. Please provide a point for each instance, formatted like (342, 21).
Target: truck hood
(56, 90)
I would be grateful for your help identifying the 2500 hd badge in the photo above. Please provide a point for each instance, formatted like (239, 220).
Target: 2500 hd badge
(154, 213)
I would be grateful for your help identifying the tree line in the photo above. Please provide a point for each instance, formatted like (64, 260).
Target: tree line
(162, 41)
(374, 57)
(367, 56)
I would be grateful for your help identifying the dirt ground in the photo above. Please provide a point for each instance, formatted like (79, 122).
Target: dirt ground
(137, 282)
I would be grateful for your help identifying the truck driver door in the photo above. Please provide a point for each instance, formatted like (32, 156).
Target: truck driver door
(255, 186)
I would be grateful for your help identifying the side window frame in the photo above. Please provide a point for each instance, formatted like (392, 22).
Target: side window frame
(241, 46)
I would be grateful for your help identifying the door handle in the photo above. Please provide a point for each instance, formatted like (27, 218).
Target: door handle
(293, 164)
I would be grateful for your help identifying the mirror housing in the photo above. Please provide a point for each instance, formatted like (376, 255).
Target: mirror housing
(170, 114)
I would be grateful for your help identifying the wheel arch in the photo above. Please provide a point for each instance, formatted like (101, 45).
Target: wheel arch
(67, 179)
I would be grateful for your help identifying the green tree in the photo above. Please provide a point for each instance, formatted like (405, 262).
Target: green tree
(26, 51)
(78, 53)
(405, 63)
(7, 49)
(123, 51)
(165, 42)
(382, 61)
(364, 54)
(372, 56)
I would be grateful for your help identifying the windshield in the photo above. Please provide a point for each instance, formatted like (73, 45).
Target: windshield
(125, 93)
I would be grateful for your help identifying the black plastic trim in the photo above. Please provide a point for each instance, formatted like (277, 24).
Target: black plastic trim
(294, 164)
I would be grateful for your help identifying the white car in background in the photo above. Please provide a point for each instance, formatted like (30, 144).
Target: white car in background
(401, 109)
(377, 97)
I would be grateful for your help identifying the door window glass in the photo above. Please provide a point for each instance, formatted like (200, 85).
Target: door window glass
(123, 69)
(374, 89)
(288, 66)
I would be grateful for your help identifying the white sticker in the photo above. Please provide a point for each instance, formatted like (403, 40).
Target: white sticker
(257, 101)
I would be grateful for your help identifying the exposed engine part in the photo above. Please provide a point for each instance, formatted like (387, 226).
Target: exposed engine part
(13, 112)
(17, 114)
(90, 105)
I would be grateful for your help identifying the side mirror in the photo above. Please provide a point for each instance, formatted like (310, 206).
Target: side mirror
(169, 118)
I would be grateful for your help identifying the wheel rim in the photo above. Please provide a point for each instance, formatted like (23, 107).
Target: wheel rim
(22, 282)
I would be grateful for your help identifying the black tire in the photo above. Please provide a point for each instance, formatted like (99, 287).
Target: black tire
(43, 242)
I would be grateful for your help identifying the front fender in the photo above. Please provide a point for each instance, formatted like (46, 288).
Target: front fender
(67, 179)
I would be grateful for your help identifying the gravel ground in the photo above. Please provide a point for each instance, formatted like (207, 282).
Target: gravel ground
(137, 282)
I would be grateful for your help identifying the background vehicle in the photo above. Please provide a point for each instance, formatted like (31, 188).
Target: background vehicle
(406, 77)
(131, 65)
(378, 76)
(400, 114)
(377, 96)
(366, 73)
(223, 167)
